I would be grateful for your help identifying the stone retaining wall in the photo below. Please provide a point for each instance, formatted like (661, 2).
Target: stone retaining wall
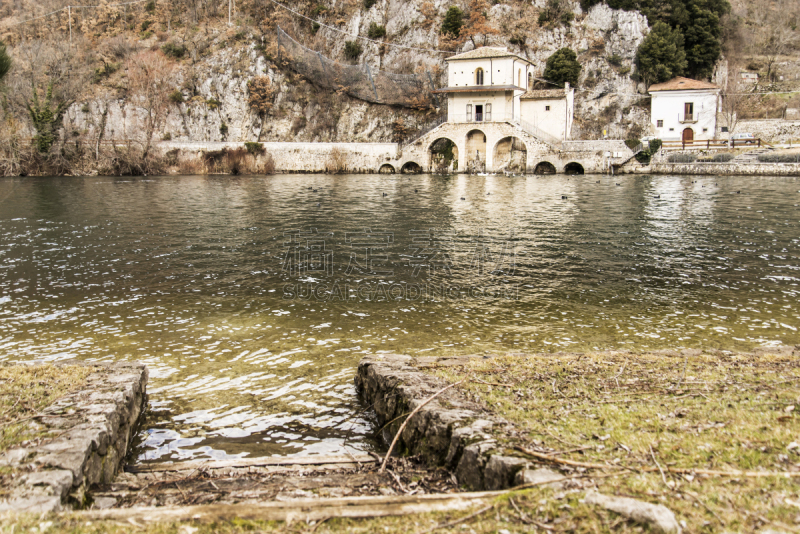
(300, 157)
(91, 430)
(728, 169)
(451, 430)
(770, 130)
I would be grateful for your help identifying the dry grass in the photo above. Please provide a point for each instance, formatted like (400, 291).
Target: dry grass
(26, 390)
(638, 412)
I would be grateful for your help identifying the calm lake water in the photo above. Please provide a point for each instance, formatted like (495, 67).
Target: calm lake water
(252, 299)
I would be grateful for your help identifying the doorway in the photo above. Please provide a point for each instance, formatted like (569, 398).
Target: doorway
(688, 136)
(478, 113)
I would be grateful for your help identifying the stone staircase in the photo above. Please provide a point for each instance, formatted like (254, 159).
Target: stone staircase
(751, 156)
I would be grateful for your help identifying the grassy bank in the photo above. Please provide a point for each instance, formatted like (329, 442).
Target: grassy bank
(26, 390)
(710, 436)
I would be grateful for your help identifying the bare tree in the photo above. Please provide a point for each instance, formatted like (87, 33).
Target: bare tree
(151, 77)
(772, 34)
(734, 99)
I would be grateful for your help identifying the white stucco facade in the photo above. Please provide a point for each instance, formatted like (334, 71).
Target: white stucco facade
(491, 84)
(551, 111)
(684, 110)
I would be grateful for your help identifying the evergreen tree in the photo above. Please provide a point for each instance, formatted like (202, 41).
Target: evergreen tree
(697, 20)
(5, 61)
(563, 67)
(661, 56)
(453, 21)
(702, 36)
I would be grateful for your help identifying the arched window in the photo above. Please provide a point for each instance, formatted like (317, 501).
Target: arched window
(530, 80)
(479, 77)
(519, 77)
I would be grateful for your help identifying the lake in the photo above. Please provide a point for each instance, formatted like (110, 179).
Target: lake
(251, 299)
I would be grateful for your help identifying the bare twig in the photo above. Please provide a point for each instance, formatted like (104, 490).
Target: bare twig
(663, 476)
(397, 479)
(457, 521)
(475, 380)
(412, 414)
(704, 505)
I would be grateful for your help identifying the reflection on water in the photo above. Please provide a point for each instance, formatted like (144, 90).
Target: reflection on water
(252, 299)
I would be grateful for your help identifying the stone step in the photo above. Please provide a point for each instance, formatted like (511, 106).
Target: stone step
(252, 480)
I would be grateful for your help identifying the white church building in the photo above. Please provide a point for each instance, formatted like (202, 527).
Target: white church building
(491, 84)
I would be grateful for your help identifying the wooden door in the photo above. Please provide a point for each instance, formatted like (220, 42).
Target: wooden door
(688, 136)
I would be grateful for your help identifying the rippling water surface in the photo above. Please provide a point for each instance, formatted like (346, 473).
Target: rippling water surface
(252, 304)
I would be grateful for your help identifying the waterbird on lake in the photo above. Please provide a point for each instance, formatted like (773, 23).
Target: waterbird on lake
(416, 191)
(617, 184)
(462, 198)
(656, 196)
(318, 204)
(315, 190)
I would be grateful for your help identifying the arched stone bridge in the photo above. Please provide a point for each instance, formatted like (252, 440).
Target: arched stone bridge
(492, 143)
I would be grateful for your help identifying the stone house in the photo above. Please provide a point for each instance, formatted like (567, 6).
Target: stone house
(684, 109)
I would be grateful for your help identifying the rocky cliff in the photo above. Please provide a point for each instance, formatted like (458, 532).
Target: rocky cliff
(212, 79)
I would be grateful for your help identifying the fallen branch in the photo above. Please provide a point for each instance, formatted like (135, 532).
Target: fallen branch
(412, 414)
(564, 461)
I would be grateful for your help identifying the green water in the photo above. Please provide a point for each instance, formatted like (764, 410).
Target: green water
(252, 352)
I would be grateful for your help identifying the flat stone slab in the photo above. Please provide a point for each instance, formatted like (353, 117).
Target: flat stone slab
(90, 431)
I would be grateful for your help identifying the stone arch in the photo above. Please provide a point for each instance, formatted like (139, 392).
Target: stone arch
(544, 167)
(386, 169)
(410, 167)
(475, 157)
(573, 167)
(510, 154)
(442, 153)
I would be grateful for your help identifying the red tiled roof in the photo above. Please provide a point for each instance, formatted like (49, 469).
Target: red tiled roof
(681, 84)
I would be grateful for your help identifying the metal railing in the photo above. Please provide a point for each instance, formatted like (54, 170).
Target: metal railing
(688, 117)
(537, 132)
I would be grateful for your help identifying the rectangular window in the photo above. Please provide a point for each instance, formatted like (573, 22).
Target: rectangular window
(547, 108)
(724, 129)
(705, 129)
(659, 124)
(469, 112)
(688, 111)
(488, 112)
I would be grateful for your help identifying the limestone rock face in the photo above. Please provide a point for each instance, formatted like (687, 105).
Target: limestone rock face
(217, 109)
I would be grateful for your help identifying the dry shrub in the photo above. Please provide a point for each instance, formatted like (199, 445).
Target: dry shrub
(259, 95)
(337, 161)
(119, 47)
(236, 161)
